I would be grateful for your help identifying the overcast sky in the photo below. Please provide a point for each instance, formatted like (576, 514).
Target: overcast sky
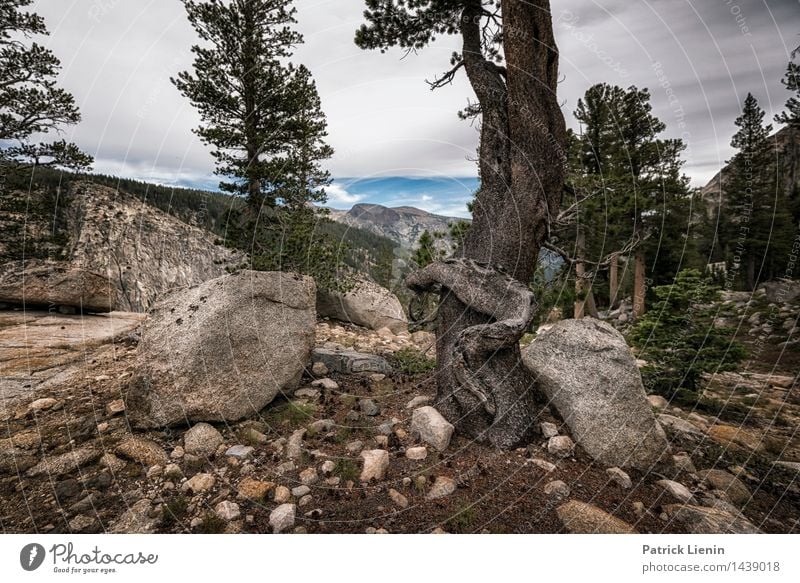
(699, 59)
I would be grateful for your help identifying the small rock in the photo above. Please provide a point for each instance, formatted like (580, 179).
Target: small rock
(684, 463)
(40, 405)
(240, 452)
(431, 427)
(306, 393)
(199, 483)
(318, 369)
(418, 401)
(638, 508)
(112, 462)
(322, 425)
(328, 467)
(282, 518)
(657, 402)
(65, 463)
(300, 491)
(227, 510)
(560, 446)
(202, 440)
(250, 435)
(309, 476)
(369, 407)
(352, 416)
(549, 429)
(557, 489)
(400, 500)
(621, 478)
(676, 490)
(581, 518)
(255, 490)
(382, 441)
(326, 384)
(733, 487)
(544, 464)
(81, 523)
(177, 453)
(354, 447)
(115, 407)
(294, 446)
(443, 486)
(154, 472)
(282, 494)
(376, 462)
(417, 453)
(173, 472)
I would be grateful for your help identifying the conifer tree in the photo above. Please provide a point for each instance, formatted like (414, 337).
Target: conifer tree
(262, 116)
(791, 118)
(31, 103)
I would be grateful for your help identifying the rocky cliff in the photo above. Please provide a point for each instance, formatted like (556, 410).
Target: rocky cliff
(142, 249)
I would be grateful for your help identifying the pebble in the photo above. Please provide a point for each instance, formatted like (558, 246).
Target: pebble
(443, 486)
(619, 477)
(376, 461)
(560, 446)
(115, 407)
(417, 453)
(557, 489)
(300, 491)
(282, 518)
(202, 440)
(227, 510)
(199, 483)
(549, 429)
(282, 494)
(400, 500)
(240, 452)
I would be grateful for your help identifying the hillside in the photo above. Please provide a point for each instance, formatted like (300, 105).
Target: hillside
(403, 225)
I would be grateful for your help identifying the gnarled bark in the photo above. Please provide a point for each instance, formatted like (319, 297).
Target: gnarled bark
(483, 387)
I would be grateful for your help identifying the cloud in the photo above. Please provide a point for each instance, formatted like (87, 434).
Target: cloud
(338, 197)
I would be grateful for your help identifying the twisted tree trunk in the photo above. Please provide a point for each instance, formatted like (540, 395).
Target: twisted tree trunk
(483, 387)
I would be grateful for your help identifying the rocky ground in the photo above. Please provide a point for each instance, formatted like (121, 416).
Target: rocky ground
(359, 453)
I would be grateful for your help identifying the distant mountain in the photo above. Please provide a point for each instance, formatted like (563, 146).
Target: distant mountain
(402, 224)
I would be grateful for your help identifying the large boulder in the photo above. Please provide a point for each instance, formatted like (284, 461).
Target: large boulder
(46, 284)
(367, 304)
(589, 375)
(222, 350)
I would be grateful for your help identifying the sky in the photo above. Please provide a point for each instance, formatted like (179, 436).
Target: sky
(396, 142)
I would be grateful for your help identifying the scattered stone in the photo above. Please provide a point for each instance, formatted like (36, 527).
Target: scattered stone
(354, 447)
(186, 368)
(705, 520)
(382, 441)
(657, 402)
(417, 453)
(300, 491)
(227, 510)
(199, 483)
(549, 429)
(240, 452)
(418, 401)
(431, 427)
(544, 464)
(326, 384)
(328, 467)
(376, 462)
(366, 304)
(400, 500)
(638, 508)
(202, 440)
(305, 501)
(115, 407)
(253, 436)
(309, 476)
(369, 407)
(81, 523)
(557, 489)
(322, 425)
(282, 495)
(622, 479)
(733, 487)
(144, 451)
(294, 446)
(318, 369)
(676, 490)
(560, 446)
(679, 425)
(282, 518)
(306, 393)
(44, 404)
(581, 518)
(350, 362)
(154, 472)
(443, 486)
(65, 463)
(255, 490)
(177, 453)
(589, 375)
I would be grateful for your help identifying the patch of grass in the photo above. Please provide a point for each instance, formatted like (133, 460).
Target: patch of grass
(463, 521)
(411, 361)
(292, 413)
(343, 434)
(347, 469)
(212, 524)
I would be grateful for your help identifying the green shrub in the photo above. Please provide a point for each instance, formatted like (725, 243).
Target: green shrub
(678, 340)
(412, 362)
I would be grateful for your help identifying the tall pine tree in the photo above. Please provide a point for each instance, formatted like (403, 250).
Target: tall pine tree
(262, 116)
(791, 152)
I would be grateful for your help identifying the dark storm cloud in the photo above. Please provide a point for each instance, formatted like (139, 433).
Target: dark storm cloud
(118, 56)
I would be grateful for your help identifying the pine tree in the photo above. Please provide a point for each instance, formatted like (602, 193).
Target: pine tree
(262, 116)
(30, 102)
(758, 217)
